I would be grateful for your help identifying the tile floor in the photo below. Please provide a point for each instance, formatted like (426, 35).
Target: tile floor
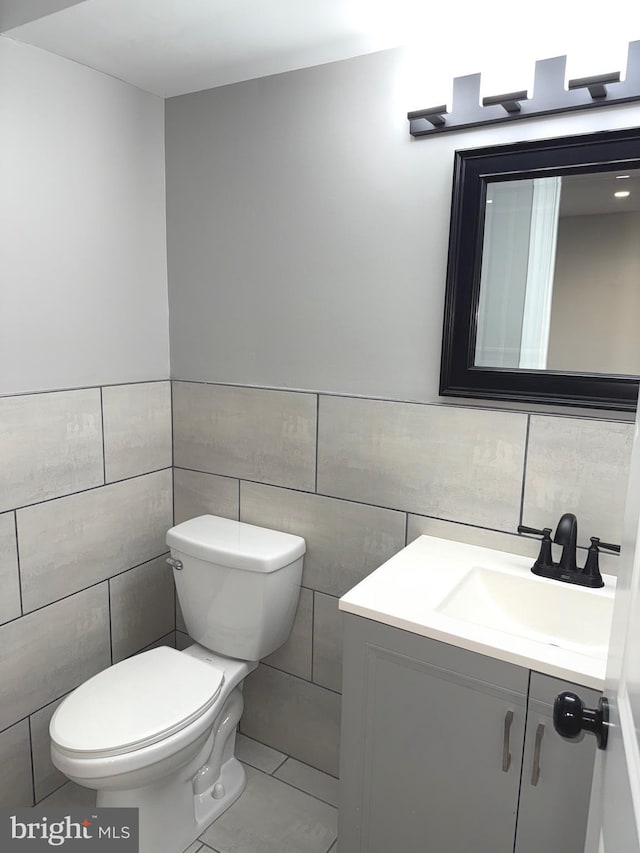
(287, 807)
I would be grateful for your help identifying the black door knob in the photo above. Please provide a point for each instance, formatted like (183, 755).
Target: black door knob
(570, 717)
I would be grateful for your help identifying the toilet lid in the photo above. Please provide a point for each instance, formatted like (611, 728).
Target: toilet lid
(136, 702)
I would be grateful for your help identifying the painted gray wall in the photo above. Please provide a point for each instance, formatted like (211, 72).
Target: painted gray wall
(308, 233)
(82, 236)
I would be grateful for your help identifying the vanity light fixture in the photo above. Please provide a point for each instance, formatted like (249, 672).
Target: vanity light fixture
(622, 194)
(550, 95)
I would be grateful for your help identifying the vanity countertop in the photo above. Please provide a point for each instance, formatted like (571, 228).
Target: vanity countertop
(489, 602)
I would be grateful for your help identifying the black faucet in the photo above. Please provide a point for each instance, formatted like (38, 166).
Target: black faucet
(567, 569)
(566, 535)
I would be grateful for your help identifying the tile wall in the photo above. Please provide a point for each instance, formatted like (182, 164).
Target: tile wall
(85, 503)
(359, 478)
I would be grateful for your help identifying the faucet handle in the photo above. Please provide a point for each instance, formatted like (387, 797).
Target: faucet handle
(615, 549)
(545, 532)
(544, 565)
(591, 571)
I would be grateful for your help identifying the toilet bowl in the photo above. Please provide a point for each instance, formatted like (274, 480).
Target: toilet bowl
(157, 731)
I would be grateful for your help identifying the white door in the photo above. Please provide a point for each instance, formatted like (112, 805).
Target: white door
(614, 820)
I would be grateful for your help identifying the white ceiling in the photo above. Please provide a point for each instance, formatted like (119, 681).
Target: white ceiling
(582, 195)
(170, 47)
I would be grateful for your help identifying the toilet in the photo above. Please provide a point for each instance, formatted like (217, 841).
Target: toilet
(157, 730)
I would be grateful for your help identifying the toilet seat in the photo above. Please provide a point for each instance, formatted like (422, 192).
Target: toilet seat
(135, 703)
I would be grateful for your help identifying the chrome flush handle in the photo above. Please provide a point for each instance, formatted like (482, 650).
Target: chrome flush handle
(175, 564)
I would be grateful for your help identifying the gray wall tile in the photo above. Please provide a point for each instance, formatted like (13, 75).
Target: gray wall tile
(294, 716)
(327, 642)
(142, 607)
(15, 759)
(180, 624)
(51, 446)
(76, 541)
(51, 651)
(137, 429)
(295, 655)
(47, 777)
(345, 541)
(168, 640)
(9, 582)
(494, 539)
(183, 641)
(581, 466)
(249, 433)
(197, 494)
(454, 463)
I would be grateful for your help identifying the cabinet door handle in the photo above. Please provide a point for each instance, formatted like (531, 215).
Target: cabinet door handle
(506, 755)
(535, 771)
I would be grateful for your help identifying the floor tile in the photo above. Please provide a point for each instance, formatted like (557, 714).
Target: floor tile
(308, 779)
(195, 847)
(262, 757)
(71, 795)
(273, 817)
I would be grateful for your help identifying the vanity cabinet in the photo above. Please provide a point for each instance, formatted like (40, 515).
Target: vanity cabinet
(436, 741)
(556, 775)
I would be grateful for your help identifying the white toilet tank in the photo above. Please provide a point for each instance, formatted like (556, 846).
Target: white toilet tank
(238, 586)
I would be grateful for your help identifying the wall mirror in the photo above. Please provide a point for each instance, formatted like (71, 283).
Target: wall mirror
(543, 281)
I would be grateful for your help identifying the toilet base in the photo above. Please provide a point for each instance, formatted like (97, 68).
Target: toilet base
(170, 815)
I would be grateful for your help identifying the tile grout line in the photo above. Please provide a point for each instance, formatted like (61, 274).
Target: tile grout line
(104, 451)
(33, 769)
(110, 625)
(290, 784)
(72, 389)
(15, 524)
(305, 791)
(315, 485)
(300, 678)
(399, 511)
(615, 416)
(83, 589)
(313, 631)
(524, 467)
(95, 488)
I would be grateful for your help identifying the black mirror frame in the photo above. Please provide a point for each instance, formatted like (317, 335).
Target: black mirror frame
(603, 151)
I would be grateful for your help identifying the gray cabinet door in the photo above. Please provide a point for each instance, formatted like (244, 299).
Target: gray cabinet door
(432, 745)
(556, 775)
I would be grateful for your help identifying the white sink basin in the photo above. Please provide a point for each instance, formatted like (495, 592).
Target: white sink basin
(559, 614)
(488, 601)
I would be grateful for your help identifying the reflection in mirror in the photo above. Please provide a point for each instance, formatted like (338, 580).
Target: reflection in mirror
(560, 274)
